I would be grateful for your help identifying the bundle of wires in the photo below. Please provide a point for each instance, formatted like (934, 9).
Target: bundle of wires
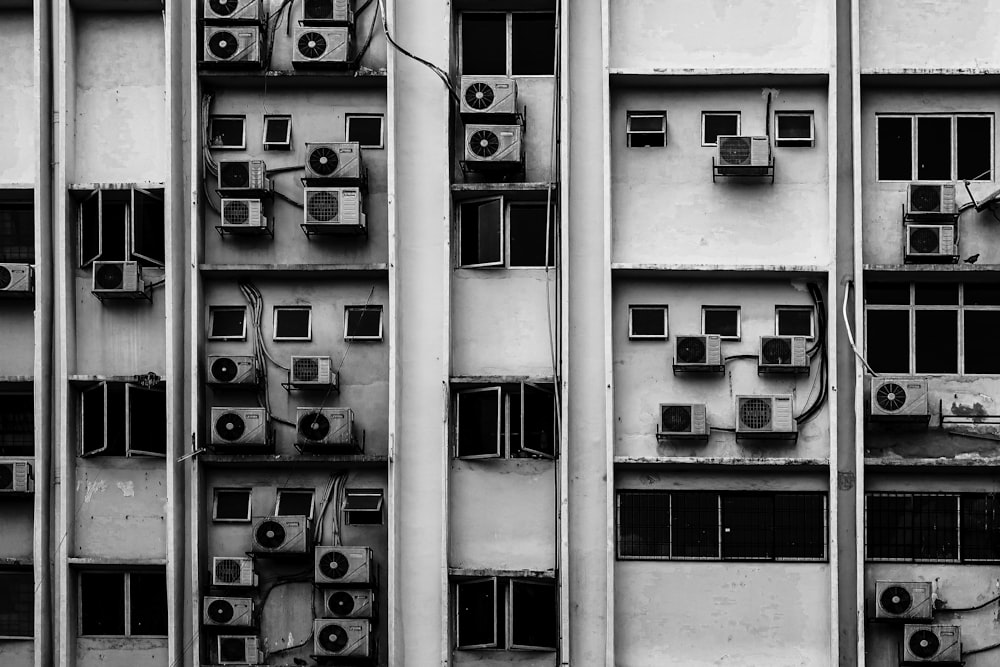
(817, 348)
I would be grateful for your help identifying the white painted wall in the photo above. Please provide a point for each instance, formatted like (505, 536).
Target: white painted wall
(17, 81)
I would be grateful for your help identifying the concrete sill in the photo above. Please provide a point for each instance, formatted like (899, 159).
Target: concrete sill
(936, 271)
(364, 78)
(971, 465)
(518, 574)
(297, 270)
(534, 191)
(717, 271)
(695, 462)
(717, 76)
(938, 77)
(115, 563)
(28, 379)
(293, 461)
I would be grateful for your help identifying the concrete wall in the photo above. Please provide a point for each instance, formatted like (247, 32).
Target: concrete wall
(929, 34)
(17, 132)
(18, 336)
(758, 35)
(643, 375)
(17, 651)
(16, 526)
(120, 651)
(666, 209)
(882, 202)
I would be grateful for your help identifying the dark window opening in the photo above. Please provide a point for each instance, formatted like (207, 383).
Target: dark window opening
(148, 228)
(17, 231)
(363, 507)
(114, 223)
(718, 124)
(17, 424)
(646, 129)
(147, 420)
(643, 525)
(102, 603)
(797, 532)
(911, 527)
(724, 321)
(363, 323)
(895, 156)
(888, 340)
(934, 148)
(479, 427)
(533, 614)
(278, 133)
(484, 43)
(227, 132)
(980, 521)
(120, 225)
(974, 144)
(793, 129)
(17, 604)
(533, 43)
(232, 504)
(538, 437)
(106, 427)
(227, 323)
(694, 525)
(748, 526)
(294, 503)
(366, 130)
(888, 294)
(481, 233)
(647, 322)
(935, 341)
(515, 420)
(981, 327)
(477, 605)
(527, 225)
(292, 323)
(935, 294)
(794, 322)
(148, 603)
(982, 294)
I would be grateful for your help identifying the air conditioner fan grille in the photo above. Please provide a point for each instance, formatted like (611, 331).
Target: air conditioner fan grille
(333, 565)
(221, 611)
(484, 143)
(691, 350)
(890, 396)
(925, 240)
(230, 426)
(323, 160)
(925, 198)
(333, 638)
(6, 477)
(312, 45)
(224, 370)
(5, 277)
(755, 413)
(109, 276)
(234, 175)
(340, 603)
(734, 150)
(924, 644)
(314, 426)
(228, 571)
(318, 9)
(896, 600)
(479, 96)
(676, 418)
(223, 44)
(237, 213)
(223, 7)
(270, 534)
(777, 351)
(323, 206)
(305, 369)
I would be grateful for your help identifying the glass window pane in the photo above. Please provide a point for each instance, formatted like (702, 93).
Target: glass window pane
(888, 350)
(17, 231)
(934, 149)
(888, 294)
(148, 228)
(232, 504)
(980, 522)
(722, 321)
(366, 130)
(476, 606)
(539, 420)
(17, 604)
(795, 322)
(646, 122)
(534, 620)
(716, 124)
(799, 525)
(481, 233)
(484, 43)
(364, 322)
(479, 422)
(982, 294)
(294, 503)
(276, 129)
(694, 525)
(102, 603)
(533, 43)
(748, 526)
(17, 425)
(935, 294)
(935, 527)
(226, 131)
(643, 525)
(116, 419)
(647, 321)
(90, 229)
(981, 327)
(114, 222)
(794, 126)
(974, 141)
(147, 416)
(148, 603)
(888, 527)
(527, 235)
(895, 136)
(227, 323)
(292, 323)
(936, 341)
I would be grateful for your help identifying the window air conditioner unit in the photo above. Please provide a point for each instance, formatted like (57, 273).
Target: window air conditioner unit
(349, 602)
(497, 145)
(232, 427)
(312, 371)
(118, 280)
(233, 572)
(17, 278)
(737, 151)
(326, 429)
(242, 177)
(701, 353)
(333, 210)
(235, 612)
(233, 10)
(16, 477)
(683, 421)
(931, 243)
(783, 354)
(342, 638)
(906, 600)
(765, 417)
(232, 370)
(941, 644)
(488, 95)
(281, 535)
(327, 45)
(340, 160)
(338, 566)
(930, 201)
(232, 45)
(324, 12)
(238, 650)
(242, 214)
(899, 399)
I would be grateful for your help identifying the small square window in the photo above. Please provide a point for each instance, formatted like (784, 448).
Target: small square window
(363, 323)
(794, 321)
(647, 322)
(294, 502)
(363, 507)
(227, 323)
(292, 323)
(232, 505)
(366, 129)
(646, 129)
(532, 43)
(227, 132)
(715, 123)
(527, 223)
(277, 133)
(721, 320)
(793, 128)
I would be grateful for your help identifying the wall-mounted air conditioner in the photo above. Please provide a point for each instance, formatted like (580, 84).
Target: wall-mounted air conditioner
(342, 638)
(904, 600)
(238, 650)
(240, 178)
(282, 535)
(242, 214)
(783, 354)
(481, 95)
(765, 417)
(234, 612)
(333, 160)
(929, 201)
(738, 151)
(233, 10)
(329, 210)
(338, 566)
(327, 12)
(118, 280)
(16, 477)
(899, 399)
(233, 572)
(229, 369)
(931, 243)
(232, 45)
(496, 145)
(312, 371)
(698, 353)
(683, 421)
(349, 602)
(234, 427)
(17, 278)
(325, 429)
(938, 644)
(321, 46)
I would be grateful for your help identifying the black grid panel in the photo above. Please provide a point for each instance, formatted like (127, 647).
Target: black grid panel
(911, 527)
(17, 423)
(17, 232)
(643, 524)
(748, 526)
(16, 604)
(980, 521)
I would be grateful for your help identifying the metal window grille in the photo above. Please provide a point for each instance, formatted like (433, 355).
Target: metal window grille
(17, 423)
(911, 527)
(748, 526)
(643, 524)
(17, 229)
(980, 527)
(17, 602)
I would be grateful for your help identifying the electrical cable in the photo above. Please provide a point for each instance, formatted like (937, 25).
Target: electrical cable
(818, 348)
(287, 198)
(734, 357)
(356, 62)
(981, 649)
(441, 74)
(965, 609)
(289, 648)
(850, 334)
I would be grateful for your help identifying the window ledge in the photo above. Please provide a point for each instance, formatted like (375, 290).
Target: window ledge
(293, 270)
(115, 563)
(290, 460)
(489, 572)
(969, 464)
(694, 462)
(716, 271)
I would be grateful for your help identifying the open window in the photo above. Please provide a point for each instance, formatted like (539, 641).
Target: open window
(479, 423)
(17, 230)
(538, 421)
(934, 147)
(531, 235)
(227, 132)
(496, 233)
(508, 43)
(17, 423)
(647, 322)
(510, 420)
(292, 323)
(533, 617)
(646, 129)
(232, 505)
(366, 129)
(277, 133)
(363, 322)
(478, 608)
(227, 323)
(481, 237)
(362, 507)
(294, 502)
(794, 321)
(123, 603)
(119, 225)
(506, 614)
(146, 413)
(148, 230)
(123, 419)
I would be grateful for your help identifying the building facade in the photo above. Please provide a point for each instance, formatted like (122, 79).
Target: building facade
(529, 333)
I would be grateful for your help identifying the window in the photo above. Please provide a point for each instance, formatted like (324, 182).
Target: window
(715, 123)
(366, 129)
(17, 231)
(646, 129)
(932, 527)
(509, 420)
(232, 505)
(227, 132)
(647, 322)
(123, 419)
(504, 613)
(292, 323)
(17, 604)
(793, 128)
(130, 604)
(363, 323)
(363, 507)
(119, 225)
(227, 323)
(508, 43)
(277, 133)
(294, 502)
(938, 147)
(512, 236)
(794, 321)
(17, 424)
(932, 328)
(721, 320)
(709, 525)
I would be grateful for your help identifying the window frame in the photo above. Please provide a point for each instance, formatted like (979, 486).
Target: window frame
(495, 644)
(500, 263)
(26, 254)
(509, 42)
(636, 113)
(704, 116)
(286, 308)
(231, 489)
(131, 392)
(242, 146)
(127, 599)
(29, 612)
(18, 412)
(506, 206)
(510, 444)
(363, 493)
(212, 310)
(651, 306)
(285, 145)
(739, 321)
(553, 232)
(503, 611)
(794, 142)
(365, 308)
(299, 490)
(914, 149)
(381, 133)
(812, 319)
(509, 612)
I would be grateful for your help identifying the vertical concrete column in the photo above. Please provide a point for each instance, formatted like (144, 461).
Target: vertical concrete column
(588, 282)
(419, 209)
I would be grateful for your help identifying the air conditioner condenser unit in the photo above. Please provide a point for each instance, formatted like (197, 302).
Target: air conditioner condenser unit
(930, 244)
(16, 476)
(233, 45)
(683, 421)
(17, 279)
(340, 566)
(930, 201)
(895, 399)
(232, 612)
(329, 210)
(699, 353)
(281, 535)
(118, 280)
(326, 46)
(232, 370)
(494, 146)
(904, 600)
(935, 644)
(233, 11)
(783, 354)
(342, 637)
(765, 418)
(325, 429)
(328, 163)
(482, 96)
(239, 427)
